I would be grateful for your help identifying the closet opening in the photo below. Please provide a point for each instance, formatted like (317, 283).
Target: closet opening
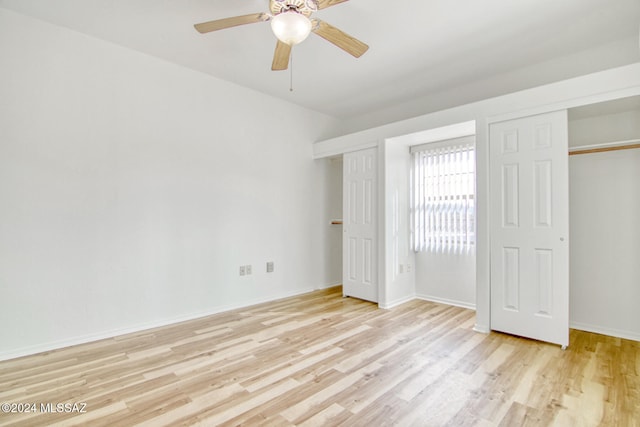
(332, 220)
(604, 206)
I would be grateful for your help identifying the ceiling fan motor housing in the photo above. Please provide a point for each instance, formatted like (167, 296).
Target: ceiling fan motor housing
(304, 7)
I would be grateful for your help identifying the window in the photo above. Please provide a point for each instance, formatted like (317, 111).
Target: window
(443, 196)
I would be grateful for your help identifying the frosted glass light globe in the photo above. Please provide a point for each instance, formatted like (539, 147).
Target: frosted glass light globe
(291, 27)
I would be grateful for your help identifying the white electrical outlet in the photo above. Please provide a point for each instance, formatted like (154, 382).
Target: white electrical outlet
(408, 268)
(270, 267)
(247, 269)
(401, 269)
(242, 270)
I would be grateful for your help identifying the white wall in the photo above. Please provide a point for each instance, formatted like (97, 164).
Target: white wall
(618, 126)
(449, 278)
(131, 191)
(605, 228)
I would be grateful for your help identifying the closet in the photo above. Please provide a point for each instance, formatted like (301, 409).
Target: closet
(604, 217)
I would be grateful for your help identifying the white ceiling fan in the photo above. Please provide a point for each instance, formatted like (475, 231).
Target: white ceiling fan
(291, 23)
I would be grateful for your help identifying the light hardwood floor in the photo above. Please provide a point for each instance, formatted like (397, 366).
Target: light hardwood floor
(323, 360)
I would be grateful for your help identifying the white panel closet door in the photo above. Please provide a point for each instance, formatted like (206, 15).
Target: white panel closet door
(530, 227)
(359, 234)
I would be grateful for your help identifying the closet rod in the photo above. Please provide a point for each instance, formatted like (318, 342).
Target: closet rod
(600, 148)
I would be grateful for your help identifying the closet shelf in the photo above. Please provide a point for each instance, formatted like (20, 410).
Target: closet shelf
(608, 146)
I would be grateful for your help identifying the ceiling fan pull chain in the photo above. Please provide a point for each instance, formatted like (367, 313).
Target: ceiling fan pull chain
(291, 72)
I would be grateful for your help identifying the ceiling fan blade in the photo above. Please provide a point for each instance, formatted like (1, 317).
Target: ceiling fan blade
(322, 4)
(281, 57)
(339, 38)
(221, 24)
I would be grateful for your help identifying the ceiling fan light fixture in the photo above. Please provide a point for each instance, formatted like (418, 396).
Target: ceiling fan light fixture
(291, 27)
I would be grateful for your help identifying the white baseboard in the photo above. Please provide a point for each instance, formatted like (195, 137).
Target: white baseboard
(55, 345)
(483, 329)
(629, 335)
(446, 301)
(390, 305)
(328, 286)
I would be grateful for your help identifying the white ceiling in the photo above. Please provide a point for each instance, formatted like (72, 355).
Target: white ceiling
(424, 55)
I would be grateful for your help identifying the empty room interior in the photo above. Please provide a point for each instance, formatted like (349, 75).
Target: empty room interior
(424, 213)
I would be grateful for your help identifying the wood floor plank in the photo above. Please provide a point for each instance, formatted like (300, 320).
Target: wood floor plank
(323, 360)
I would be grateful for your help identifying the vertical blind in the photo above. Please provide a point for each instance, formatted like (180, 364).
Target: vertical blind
(443, 197)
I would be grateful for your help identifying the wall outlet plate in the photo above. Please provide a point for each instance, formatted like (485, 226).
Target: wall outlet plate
(270, 267)
(247, 269)
(242, 270)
